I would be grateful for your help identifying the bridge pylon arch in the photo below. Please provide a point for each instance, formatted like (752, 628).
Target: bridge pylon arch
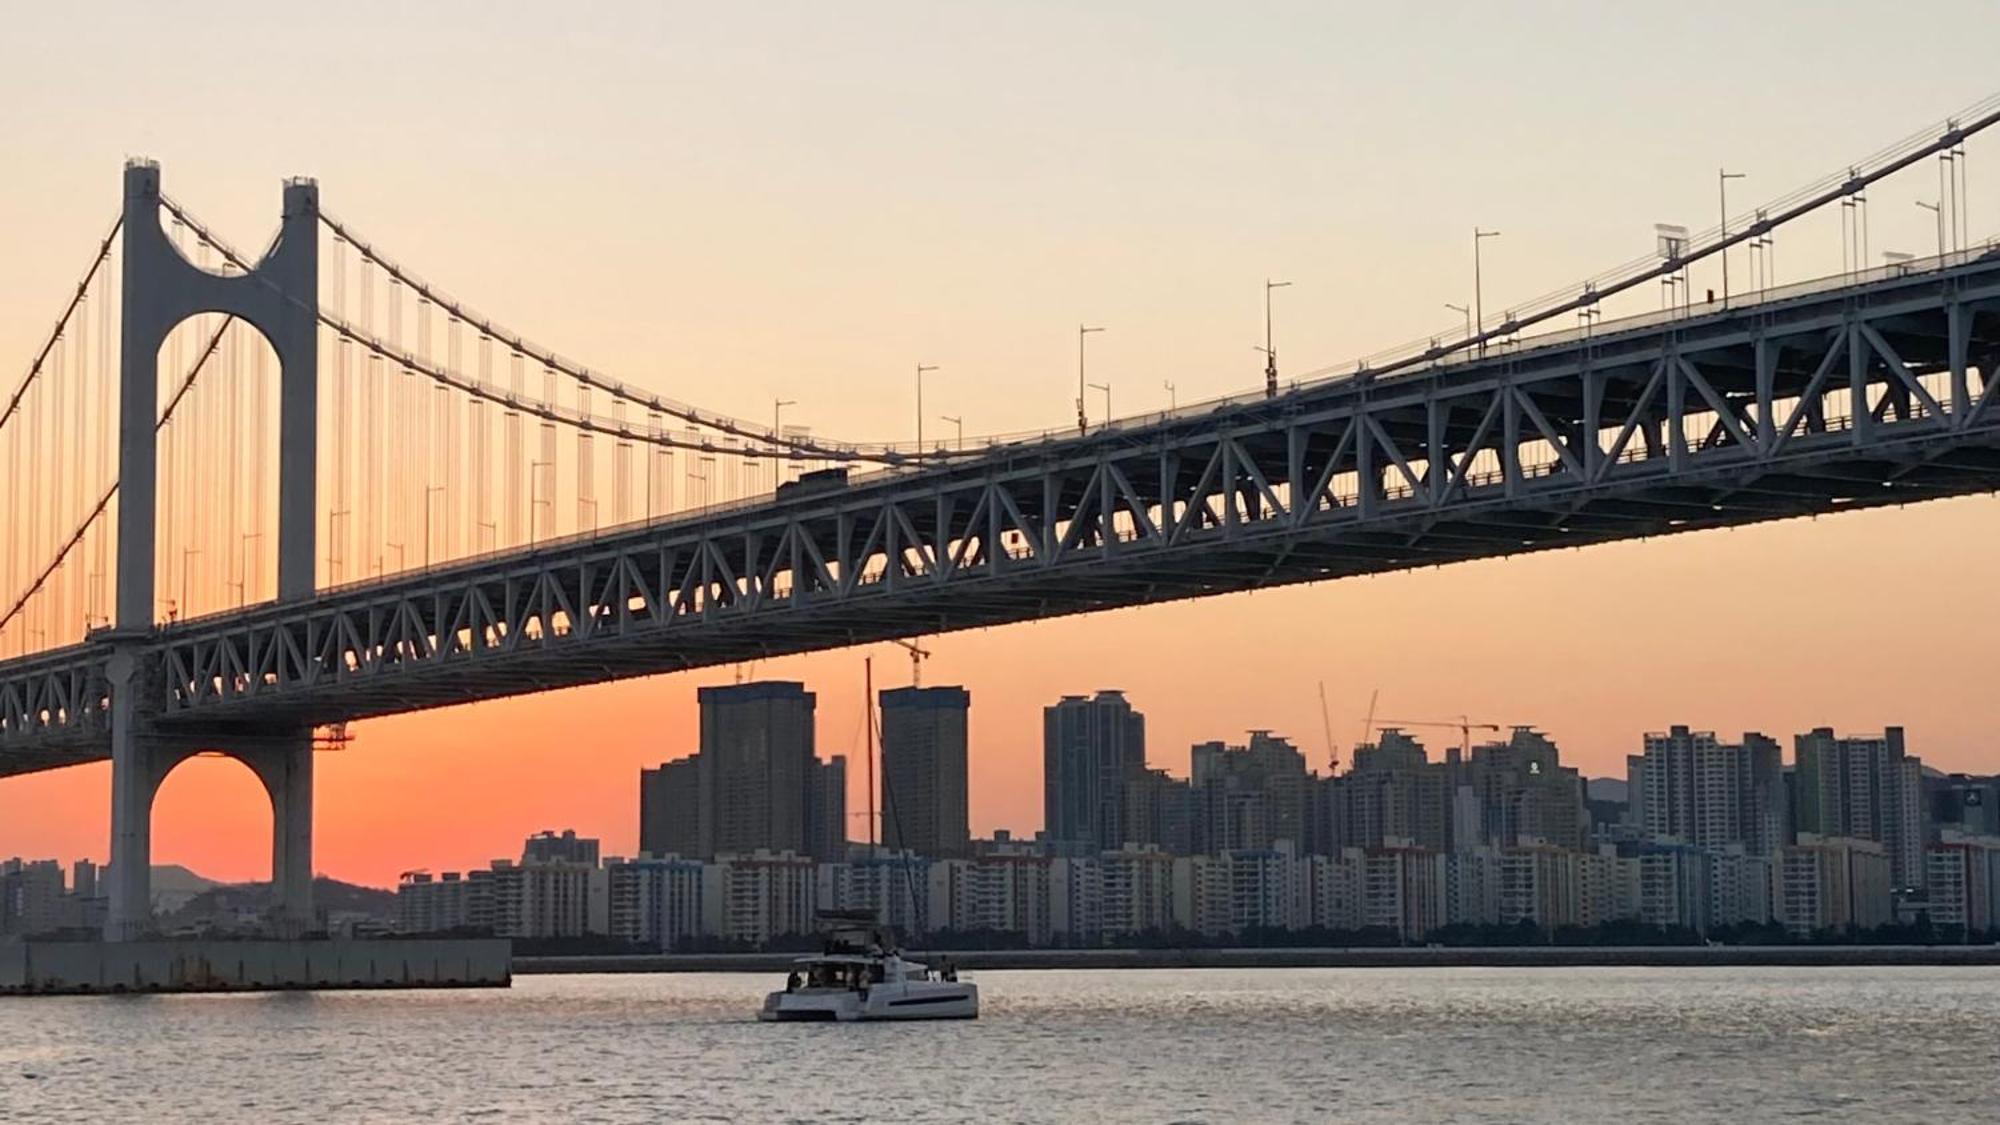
(279, 297)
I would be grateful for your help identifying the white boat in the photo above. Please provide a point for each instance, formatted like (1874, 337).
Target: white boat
(856, 980)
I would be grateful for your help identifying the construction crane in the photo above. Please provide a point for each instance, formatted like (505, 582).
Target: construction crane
(1368, 724)
(1326, 724)
(918, 654)
(1461, 724)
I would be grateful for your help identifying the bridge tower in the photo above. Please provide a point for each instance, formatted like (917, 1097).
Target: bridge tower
(280, 299)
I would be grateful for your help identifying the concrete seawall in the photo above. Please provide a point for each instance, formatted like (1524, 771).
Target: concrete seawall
(82, 968)
(1540, 956)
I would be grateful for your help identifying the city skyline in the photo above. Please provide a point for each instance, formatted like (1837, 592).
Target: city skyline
(1706, 837)
(645, 814)
(1163, 230)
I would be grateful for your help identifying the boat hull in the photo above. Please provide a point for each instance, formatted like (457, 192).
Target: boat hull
(948, 1000)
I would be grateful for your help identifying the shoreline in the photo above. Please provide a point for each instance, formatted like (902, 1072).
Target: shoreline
(1406, 957)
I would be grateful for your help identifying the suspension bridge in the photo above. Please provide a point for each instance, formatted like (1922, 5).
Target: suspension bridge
(251, 496)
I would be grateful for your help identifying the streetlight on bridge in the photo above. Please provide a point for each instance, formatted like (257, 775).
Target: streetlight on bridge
(1936, 209)
(1722, 179)
(1464, 311)
(1106, 388)
(777, 463)
(1082, 419)
(1478, 283)
(922, 369)
(1270, 349)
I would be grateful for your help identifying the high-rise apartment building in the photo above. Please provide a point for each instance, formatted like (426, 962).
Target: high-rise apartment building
(755, 783)
(1249, 796)
(1090, 746)
(1393, 796)
(1964, 881)
(670, 809)
(826, 808)
(1159, 811)
(1865, 788)
(924, 803)
(1688, 787)
(756, 767)
(1524, 794)
(1832, 883)
(1960, 802)
(657, 902)
(568, 847)
(757, 896)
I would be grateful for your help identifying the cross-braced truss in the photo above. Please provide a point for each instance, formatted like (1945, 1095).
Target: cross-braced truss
(1843, 398)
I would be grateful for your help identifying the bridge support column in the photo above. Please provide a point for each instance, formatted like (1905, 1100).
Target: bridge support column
(139, 760)
(142, 755)
(285, 765)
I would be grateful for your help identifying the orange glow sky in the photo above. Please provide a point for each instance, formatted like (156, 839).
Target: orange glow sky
(803, 203)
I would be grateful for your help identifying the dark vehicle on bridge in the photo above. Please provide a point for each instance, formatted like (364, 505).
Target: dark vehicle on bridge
(814, 483)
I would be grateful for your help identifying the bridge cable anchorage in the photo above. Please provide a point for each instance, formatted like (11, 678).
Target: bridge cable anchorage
(722, 423)
(1758, 222)
(62, 323)
(550, 412)
(104, 501)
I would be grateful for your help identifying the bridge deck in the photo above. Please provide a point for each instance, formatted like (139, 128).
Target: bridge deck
(1820, 400)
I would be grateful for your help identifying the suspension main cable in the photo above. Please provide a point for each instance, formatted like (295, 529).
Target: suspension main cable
(613, 387)
(546, 411)
(62, 324)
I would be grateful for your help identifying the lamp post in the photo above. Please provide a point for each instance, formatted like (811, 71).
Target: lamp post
(1478, 283)
(958, 422)
(1270, 348)
(921, 369)
(1082, 419)
(1938, 210)
(1464, 311)
(1173, 401)
(1106, 388)
(777, 465)
(1722, 179)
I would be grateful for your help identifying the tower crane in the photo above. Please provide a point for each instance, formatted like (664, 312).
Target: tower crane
(1326, 723)
(1461, 724)
(918, 654)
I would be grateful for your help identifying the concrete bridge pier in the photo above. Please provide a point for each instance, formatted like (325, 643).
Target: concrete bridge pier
(142, 755)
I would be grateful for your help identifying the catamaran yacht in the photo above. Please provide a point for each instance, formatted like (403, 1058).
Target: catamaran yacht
(862, 976)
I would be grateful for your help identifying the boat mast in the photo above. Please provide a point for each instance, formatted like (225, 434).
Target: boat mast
(868, 709)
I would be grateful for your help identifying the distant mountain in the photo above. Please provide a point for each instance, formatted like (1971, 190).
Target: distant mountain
(229, 905)
(1613, 789)
(174, 885)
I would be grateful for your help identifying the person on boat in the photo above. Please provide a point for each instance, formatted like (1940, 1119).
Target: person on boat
(792, 981)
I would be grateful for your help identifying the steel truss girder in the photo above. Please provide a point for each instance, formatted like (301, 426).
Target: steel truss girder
(1844, 399)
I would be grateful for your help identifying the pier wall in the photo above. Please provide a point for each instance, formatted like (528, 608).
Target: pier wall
(76, 968)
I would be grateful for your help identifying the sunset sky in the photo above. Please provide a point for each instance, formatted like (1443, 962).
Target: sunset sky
(733, 204)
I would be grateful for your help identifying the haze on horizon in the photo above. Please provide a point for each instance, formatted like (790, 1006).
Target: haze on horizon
(794, 202)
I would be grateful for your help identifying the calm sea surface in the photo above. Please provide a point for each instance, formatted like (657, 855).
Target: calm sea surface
(1220, 1045)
